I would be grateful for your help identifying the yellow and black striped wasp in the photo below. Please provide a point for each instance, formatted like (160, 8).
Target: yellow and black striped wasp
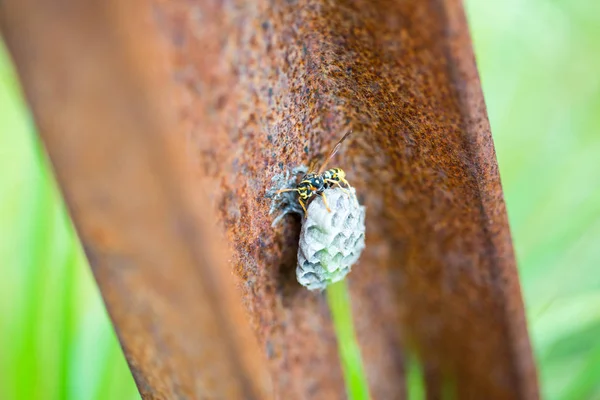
(315, 183)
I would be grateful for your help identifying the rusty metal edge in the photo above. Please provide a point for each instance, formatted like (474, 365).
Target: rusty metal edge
(463, 72)
(60, 46)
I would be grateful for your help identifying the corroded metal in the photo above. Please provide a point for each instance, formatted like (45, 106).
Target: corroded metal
(257, 88)
(104, 115)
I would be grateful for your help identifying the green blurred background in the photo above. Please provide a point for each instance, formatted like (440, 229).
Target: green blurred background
(539, 62)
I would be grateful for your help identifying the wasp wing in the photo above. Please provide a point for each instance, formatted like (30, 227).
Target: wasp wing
(335, 150)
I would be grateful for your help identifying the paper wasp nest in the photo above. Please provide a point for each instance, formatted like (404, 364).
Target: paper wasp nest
(330, 242)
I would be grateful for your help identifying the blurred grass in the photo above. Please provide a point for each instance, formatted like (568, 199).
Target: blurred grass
(55, 338)
(539, 62)
(338, 299)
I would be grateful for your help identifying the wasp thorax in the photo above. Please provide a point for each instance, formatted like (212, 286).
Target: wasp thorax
(313, 183)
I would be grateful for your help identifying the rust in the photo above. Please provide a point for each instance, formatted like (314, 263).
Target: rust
(104, 115)
(277, 83)
(266, 85)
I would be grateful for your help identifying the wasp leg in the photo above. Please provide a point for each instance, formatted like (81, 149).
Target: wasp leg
(325, 202)
(348, 192)
(286, 190)
(348, 186)
(303, 207)
(339, 185)
(345, 182)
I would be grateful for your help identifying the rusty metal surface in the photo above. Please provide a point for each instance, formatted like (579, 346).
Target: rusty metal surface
(276, 83)
(103, 113)
(266, 85)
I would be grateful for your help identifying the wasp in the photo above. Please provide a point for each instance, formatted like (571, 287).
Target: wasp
(314, 183)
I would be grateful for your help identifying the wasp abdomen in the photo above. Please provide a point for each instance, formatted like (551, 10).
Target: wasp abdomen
(334, 176)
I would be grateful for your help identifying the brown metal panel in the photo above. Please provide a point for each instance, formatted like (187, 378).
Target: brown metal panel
(276, 83)
(94, 73)
(266, 85)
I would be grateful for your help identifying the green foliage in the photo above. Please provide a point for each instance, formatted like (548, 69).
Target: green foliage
(415, 379)
(56, 341)
(338, 299)
(539, 62)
